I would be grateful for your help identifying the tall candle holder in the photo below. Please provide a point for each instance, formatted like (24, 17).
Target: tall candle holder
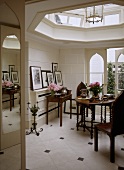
(34, 109)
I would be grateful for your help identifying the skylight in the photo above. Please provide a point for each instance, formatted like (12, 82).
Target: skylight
(77, 17)
(11, 36)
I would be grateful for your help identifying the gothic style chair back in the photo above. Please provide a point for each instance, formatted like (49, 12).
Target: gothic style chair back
(78, 93)
(79, 87)
(116, 127)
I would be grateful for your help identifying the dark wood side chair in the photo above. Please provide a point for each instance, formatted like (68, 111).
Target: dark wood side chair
(79, 87)
(78, 93)
(114, 128)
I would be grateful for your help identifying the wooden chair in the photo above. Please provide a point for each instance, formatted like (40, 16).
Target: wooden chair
(116, 127)
(79, 87)
(78, 93)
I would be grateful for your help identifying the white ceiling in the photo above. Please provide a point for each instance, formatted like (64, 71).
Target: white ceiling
(33, 1)
(7, 15)
(34, 12)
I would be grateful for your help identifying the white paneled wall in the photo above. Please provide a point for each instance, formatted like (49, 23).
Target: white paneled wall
(72, 62)
(72, 65)
(11, 57)
(42, 56)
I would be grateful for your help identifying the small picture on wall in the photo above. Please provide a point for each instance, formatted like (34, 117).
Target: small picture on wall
(36, 82)
(44, 77)
(58, 78)
(54, 67)
(50, 78)
(14, 76)
(6, 76)
(11, 68)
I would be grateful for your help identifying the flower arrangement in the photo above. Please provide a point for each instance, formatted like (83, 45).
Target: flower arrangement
(95, 88)
(6, 83)
(54, 88)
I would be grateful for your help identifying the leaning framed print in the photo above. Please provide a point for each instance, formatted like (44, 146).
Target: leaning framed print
(35, 75)
(54, 67)
(44, 78)
(50, 78)
(6, 76)
(11, 68)
(14, 76)
(58, 78)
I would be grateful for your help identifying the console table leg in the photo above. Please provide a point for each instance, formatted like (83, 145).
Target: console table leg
(58, 109)
(47, 113)
(77, 115)
(60, 114)
(70, 108)
(10, 102)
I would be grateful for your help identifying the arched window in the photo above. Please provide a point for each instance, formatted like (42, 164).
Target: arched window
(96, 69)
(120, 72)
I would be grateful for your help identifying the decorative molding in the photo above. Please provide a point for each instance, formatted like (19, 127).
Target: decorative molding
(32, 1)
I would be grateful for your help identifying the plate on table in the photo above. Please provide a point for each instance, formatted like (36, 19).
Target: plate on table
(57, 95)
(87, 98)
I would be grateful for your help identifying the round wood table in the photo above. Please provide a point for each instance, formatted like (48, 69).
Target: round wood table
(84, 103)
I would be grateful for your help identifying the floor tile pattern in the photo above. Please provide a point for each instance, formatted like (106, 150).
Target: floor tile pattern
(70, 149)
(61, 148)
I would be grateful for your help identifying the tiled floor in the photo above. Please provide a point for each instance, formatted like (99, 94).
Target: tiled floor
(10, 158)
(65, 148)
(11, 119)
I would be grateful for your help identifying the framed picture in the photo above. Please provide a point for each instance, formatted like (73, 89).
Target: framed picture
(58, 78)
(6, 76)
(44, 78)
(50, 78)
(54, 67)
(35, 74)
(14, 76)
(11, 68)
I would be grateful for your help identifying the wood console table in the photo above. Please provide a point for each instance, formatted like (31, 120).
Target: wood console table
(60, 101)
(11, 93)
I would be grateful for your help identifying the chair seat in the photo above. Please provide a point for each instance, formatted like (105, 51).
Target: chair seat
(112, 129)
(105, 127)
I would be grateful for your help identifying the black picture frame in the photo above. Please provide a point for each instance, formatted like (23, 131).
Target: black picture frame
(14, 77)
(35, 76)
(6, 76)
(58, 78)
(44, 78)
(11, 68)
(50, 78)
(54, 67)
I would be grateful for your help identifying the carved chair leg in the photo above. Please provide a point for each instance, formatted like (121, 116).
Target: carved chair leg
(95, 139)
(112, 149)
(86, 111)
(81, 112)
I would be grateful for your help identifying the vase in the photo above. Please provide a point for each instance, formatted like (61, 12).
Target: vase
(96, 94)
(64, 91)
(52, 93)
